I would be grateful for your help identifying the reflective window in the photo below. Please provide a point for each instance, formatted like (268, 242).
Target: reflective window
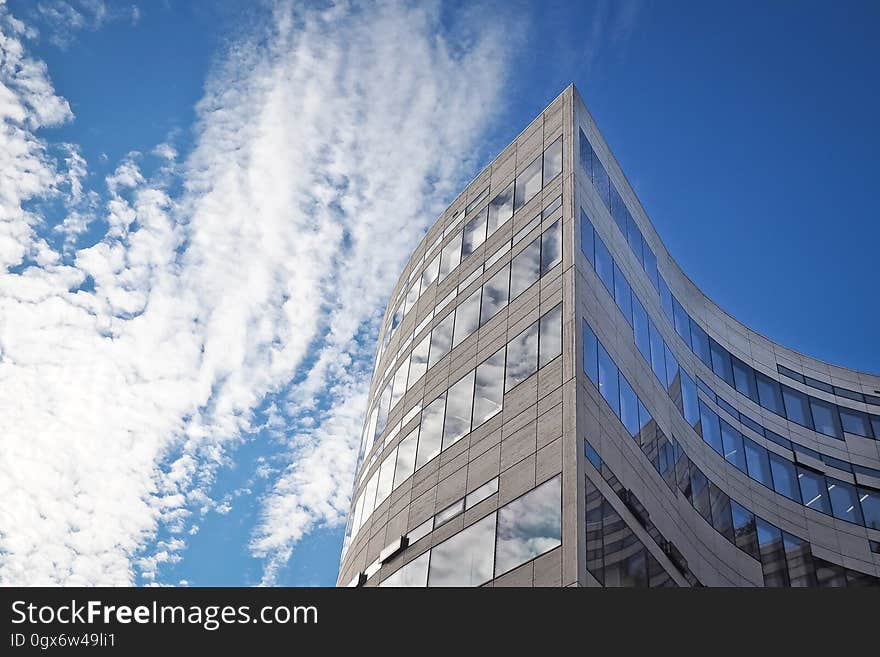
(769, 394)
(467, 318)
(495, 294)
(591, 354)
(406, 458)
(682, 321)
(799, 558)
(450, 256)
(529, 526)
(744, 378)
(550, 336)
(431, 431)
(525, 269)
(870, 500)
(522, 357)
(689, 399)
(772, 554)
(412, 295)
(398, 384)
(825, 418)
(604, 265)
(640, 328)
(601, 181)
(528, 183)
(671, 367)
(784, 477)
(489, 387)
(501, 208)
(732, 444)
(758, 463)
(711, 428)
(553, 160)
(813, 490)
(700, 493)
(744, 529)
(797, 409)
(666, 301)
(855, 422)
(467, 558)
(722, 520)
(551, 247)
(618, 211)
(650, 262)
(431, 272)
(587, 238)
(413, 574)
(459, 405)
(418, 363)
(448, 513)
(721, 364)
(474, 234)
(441, 339)
(646, 425)
(629, 407)
(633, 236)
(844, 501)
(484, 492)
(658, 355)
(622, 294)
(386, 477)
(608, 380)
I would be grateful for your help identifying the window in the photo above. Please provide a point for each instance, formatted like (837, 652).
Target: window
(608, 380)
(591, 354)
(633, 236)
(522, 357)
(431, 431)
(501, 208)
(758, 463)
(797, 409)
(855, 422)
(666, 301)
(553, 160)
(629, 407)
(484, 492)
(384, 407)
(489, 388)
(658, 356)
(495, 294)
(640, 328)
(814, 492)
(604, 265)
(801, 571)
(601, 181)
(650, 263)
(418, 363)
(412, 295)
(529, 526)
(399, 382)
(721, 364)
(825, 417)
(646, 426)
(406, 458)
(744, 378)
(700, 343)
(732, 444)
(769, 394)
(467, 318)
(413, 574)
(449, 513)
(772, 554)
(528, 183)
(844, 501)
(682, 321)
(671, 368)
(711, 428)
(441, 340)
(525, 269)
(870, 500)
(459, 405)
(551, 247)
(550, 336)
(450, 256)
(700, 493)
(622, 294)
(467, 558)
(744, 529)
(689, 399)
(430, 273)
(618, 211)
(721, 516)
(588, 245)
(386, 477)
(784, 477)
(474, 234)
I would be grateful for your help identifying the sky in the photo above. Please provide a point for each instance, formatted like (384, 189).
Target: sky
(204, 207)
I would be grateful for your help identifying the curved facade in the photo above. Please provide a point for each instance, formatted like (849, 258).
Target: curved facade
(555, 403)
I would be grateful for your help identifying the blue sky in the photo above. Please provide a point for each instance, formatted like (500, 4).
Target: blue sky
(203, 239)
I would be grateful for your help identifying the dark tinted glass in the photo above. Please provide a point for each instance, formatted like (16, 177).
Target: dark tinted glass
(784, 477)
(797, 409)
(825, 418)
(640, 328)
(629, 407)
(604, 265)
(758, 463)
(721, 364)
(744, 378)
(591, 354)
(769, 394)
(844, 501)
(813, 490)
(587, 239)
(734, 451)
(744, 529)
(622, 294)
(711, 428)
(608, 380)
(700, 343)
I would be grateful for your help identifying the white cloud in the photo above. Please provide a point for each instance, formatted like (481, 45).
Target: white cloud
(318, 150)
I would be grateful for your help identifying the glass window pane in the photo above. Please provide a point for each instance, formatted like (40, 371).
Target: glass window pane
(467, 558)
(732, 443)
(601, 181)
(784, 477)
(459, 404)
(406, 458)
(769, 394)
(430, 273)
(529, 526)
(591, 354)
(721, 364)
(528, 183)
(413, 574)
(721, 516)
(604, 265)
(525, 269)
(587, 238)
(689, 399)
(700, 343)
(550, 345)
(844, 501)
(671, 367)
(700, 493)
(640, 328)
(650, 262)
(467, 318)
(772, 554)
(622, 294)
(711, 428)
(398, 383)
(522, 357)
(412, 295)
(629, 407)
(489, 387)
(618, 211)
(495, 294)
(682, 322)
(814, 491)
(825, 417)
(608, 380)
(386, 477)
(551, 247)
(744, 379)
(744, 529)
(658, 353)
(666, 301)
(418, 362)
(855, 422)
(870, 501)
(441, 339)
(450, 256)
(484, 492)
(758, 463)
(501, 208)
(553, 160)
(797, 409)
(474, 233)
(634, 237)
(431, 431)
